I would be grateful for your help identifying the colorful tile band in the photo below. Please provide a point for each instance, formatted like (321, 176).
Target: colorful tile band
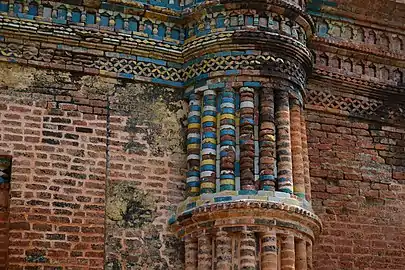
(267, 140)
(247, 147)
(193, 145)
(227, 139)
(209, 143)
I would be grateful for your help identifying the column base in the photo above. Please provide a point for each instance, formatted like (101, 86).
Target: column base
(262, 215)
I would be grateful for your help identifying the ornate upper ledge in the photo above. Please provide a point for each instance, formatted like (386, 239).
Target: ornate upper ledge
(387, 13)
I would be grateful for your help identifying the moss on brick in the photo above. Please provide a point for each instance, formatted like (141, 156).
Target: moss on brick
(129, 207)
(156, 117)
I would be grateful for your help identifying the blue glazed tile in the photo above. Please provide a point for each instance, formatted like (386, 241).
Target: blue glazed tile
(76, 16)
(32, 9)
(223, 199)
(175, 65)
(150, 60)
(216, 85)
(172, 220)
(90, 18)
(3, 6)
(232, 72)
(126, 75)
(170, 83)
(252, 84)
(59, 21)
(191, 205)
(247, 192)
(201, 77)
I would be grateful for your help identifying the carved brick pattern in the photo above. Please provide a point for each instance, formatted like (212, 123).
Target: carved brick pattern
(367, 108)
(152, 70)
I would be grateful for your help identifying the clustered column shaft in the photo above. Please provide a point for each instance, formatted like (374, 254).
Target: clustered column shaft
(204, 252)
(267, 140)
(296, 147)
(305, 158)
(284, 164)
(209, 143)
(287, 252)
(191, 256)
(269, 259)
(300, 255)
(228, 139)
(214, 154)
(224, 251)
(248, 251)
(193, 145)
(309, 256)
(247, 147)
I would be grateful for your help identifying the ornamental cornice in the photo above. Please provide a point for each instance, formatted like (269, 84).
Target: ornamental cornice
(257, 214)
(367, 86)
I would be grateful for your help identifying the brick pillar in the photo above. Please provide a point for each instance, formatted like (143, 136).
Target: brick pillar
(223, 251)
(204, 252)
(209, 143)
(191, 256)
(287, 252)
(300, 254)
(267, 140)
(193, 145)
(269, 260)
(296, 148)
(247, 146)
(283, 142)
(247, 251)
(305, 158)
(228, 139)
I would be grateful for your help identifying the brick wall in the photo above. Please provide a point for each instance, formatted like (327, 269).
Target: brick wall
(146, 177)
(75, 143)
(58, 179)
(358, 176)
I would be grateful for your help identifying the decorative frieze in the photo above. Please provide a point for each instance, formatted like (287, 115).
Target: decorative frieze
(376, 38)
(331, 63)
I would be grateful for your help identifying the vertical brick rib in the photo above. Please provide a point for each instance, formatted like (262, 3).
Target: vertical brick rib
(283, 142)
(193, 145)
(287, 252)
(305, 158)
(209, 143)
(296, 148)
(247, 251)
(4, 224)
(269, 260)
(5, 177)
(267, 140)
(300, 255)
(228, 138)
(309, 256)
(223, 251)
(191, 256)
(204, 252)
(247, 147)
